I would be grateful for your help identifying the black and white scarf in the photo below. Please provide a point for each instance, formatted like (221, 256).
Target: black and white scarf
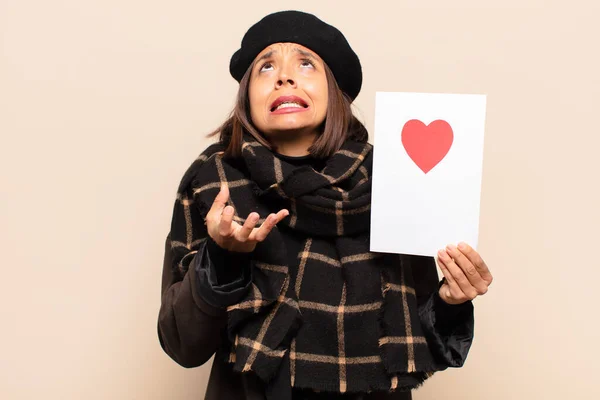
(340, 318)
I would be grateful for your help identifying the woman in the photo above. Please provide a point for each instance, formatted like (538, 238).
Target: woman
(267, 263)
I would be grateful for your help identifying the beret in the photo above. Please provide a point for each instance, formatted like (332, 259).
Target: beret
(309, 31)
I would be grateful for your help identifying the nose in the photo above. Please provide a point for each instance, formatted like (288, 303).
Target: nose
(285, 78)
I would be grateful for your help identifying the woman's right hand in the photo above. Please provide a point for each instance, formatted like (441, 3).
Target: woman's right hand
(232, 236)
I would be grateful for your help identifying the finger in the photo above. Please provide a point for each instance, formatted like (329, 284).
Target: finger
(261, 233)
(453, 290)
(280, 216)
(220, 202)
(244, 232)
(458, 276)
(469, 270)
(477, 261)
(447, 288)
(226, 222)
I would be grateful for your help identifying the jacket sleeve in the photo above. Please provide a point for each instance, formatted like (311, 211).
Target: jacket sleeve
(449, 329)
(195, 290)
(223, 277)
(189, 328)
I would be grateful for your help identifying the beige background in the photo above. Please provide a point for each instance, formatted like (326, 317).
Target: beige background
(104, 103)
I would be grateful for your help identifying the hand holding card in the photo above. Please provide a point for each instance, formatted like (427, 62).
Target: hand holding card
(467, 275)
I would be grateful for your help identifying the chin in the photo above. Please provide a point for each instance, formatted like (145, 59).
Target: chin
(294, 127)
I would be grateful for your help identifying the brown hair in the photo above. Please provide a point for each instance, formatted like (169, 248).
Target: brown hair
(340, 123)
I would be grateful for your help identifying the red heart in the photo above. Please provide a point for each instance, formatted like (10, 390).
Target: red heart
(427, 145)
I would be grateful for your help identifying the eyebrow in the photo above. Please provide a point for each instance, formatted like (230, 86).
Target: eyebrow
(304, 53)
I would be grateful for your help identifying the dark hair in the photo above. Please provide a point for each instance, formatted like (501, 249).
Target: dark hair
(340, 123)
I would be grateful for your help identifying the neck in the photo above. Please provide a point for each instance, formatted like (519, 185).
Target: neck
(294, 146)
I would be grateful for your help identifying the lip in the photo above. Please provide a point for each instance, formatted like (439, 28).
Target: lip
(291, 99)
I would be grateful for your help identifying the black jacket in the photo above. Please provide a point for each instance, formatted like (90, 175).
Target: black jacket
(192, 321)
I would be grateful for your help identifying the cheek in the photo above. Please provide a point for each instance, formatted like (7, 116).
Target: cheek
(257, 101)
(254, 106)
(325, 99)
(321, 96)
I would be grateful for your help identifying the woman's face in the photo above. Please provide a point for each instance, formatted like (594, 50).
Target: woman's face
(288, 92)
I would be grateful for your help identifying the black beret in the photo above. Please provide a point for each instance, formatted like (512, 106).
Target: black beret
(309, 31)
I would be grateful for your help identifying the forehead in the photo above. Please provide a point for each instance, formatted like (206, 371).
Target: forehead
(287, 47)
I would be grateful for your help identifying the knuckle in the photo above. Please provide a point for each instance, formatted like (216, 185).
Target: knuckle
(225, 231)
(471, 270)
(482, 291)
(458, 260)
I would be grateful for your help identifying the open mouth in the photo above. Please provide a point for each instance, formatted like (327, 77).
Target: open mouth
(288, 102)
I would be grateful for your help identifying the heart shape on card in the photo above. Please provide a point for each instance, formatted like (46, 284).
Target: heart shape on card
(427, 145)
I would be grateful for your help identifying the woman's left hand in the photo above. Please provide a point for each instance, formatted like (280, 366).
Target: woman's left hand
(467, 275)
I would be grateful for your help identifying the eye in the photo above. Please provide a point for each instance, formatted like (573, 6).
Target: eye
(307, 63)
(266, 67)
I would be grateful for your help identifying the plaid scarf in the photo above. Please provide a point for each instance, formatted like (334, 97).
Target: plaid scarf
(340, 318)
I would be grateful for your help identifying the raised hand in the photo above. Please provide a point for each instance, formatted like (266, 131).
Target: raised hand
(232, 236)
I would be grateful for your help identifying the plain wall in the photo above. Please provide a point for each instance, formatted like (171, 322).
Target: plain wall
(104, 104)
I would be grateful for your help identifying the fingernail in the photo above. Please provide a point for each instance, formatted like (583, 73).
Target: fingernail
(451, 247)
(228, 210)
(442, 254)
(462, 245)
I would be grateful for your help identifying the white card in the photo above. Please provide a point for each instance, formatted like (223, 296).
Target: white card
(428, 156)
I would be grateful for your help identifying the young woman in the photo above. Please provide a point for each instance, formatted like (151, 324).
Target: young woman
(267, 263)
